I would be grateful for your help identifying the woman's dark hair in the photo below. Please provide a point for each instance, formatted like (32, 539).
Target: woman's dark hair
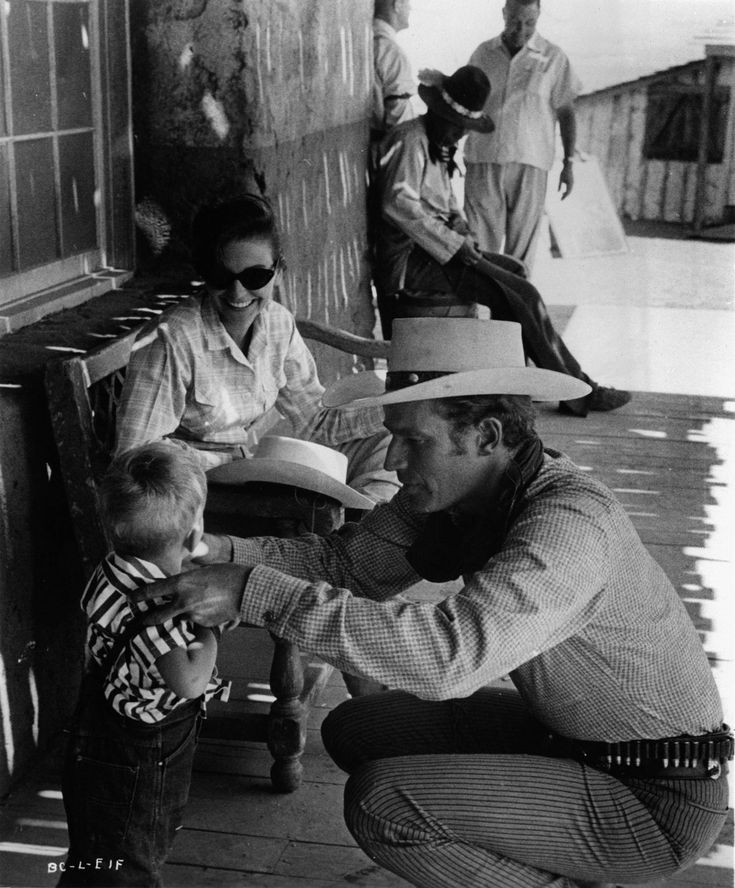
(515, 412)
(245, 218)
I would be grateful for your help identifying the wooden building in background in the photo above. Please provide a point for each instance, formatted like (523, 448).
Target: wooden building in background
(666, 142)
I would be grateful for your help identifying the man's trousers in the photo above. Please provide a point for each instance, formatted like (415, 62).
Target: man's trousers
(465, 793)
(504, 204)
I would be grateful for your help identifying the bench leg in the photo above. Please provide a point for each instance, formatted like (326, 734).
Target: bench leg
(288, 716)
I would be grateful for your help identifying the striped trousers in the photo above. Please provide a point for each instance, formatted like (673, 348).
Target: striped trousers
(461, 793)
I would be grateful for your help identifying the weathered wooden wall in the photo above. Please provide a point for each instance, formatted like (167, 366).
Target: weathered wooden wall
(612, 126)
(270, 97)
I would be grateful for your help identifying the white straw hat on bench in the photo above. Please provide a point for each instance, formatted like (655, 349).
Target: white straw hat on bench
(452, 357)
(296, 463)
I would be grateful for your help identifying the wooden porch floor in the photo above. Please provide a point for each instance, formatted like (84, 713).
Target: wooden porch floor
(669, 458)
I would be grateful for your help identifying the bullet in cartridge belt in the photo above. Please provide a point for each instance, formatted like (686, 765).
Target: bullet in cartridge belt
(685, 756)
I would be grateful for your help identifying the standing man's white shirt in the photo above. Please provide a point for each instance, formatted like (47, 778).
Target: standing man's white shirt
(393, 82)
(526, 92)
(532, 87)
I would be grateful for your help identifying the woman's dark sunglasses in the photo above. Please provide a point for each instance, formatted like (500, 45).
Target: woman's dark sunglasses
(253, 278)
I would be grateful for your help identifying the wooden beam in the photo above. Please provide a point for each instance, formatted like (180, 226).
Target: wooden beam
(710, 75)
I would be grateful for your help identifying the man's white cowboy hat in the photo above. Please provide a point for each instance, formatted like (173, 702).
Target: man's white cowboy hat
(281, 460)
(451, 357)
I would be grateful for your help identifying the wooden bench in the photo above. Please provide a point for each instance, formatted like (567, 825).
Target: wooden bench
(83, 392)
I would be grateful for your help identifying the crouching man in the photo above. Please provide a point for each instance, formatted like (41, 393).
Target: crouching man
(607, 760)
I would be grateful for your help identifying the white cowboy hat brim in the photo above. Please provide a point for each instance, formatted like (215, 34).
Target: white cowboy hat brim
(367, 389)
(276, 471)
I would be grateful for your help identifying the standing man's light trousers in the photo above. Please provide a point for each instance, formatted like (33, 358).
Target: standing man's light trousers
(504, 204)
(464, 793)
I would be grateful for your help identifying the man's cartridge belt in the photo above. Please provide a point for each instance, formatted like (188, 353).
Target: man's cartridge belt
(686, 757)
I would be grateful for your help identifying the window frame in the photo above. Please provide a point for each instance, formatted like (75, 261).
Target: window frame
(717, 137)
(27, 294)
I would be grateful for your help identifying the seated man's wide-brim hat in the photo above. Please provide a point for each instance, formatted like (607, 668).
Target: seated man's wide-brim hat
(303, 464)
(449, 358)
(459, 98)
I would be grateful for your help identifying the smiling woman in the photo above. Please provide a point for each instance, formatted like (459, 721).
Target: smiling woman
(208, 374)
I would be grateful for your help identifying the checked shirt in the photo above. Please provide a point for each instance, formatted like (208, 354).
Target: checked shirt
(572, 606)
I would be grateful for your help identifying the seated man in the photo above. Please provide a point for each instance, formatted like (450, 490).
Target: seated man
(608, 760)
(426, 252)
(392, 89)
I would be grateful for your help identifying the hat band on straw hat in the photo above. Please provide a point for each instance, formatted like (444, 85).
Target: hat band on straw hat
(460, 109)
(398, 379)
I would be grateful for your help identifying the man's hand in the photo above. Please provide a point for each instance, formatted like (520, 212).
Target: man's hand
(208, 596)
(566, 179)
(458, 223)
(469, 253)
(211, 549)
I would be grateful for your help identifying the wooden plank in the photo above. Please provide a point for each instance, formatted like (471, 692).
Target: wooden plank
(690, 193)
(71, 421)
(254, 761)
(109, 357)
(602, 124)
(614, 166)
(675, 189)
(665, 404)
(626, 452)
(655, 172)
(216, 803)
(336, 864)
(619, 478)
(214, 877)
(634, 172)
(230, 850)
(640, 426)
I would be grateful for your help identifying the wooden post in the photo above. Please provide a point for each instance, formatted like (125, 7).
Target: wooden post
(288, 715)
(710, 75)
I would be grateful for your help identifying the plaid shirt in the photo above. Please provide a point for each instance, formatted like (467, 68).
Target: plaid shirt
(187, 380)
(572, 606)
(134, 687)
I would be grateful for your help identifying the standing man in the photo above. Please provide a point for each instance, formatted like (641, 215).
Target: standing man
(393, 83)
(393, 88)
(533, 87)
(608, 759)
